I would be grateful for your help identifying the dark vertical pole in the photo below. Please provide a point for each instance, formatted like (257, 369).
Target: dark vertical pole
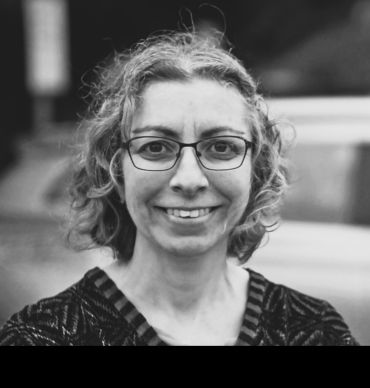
(14, 105)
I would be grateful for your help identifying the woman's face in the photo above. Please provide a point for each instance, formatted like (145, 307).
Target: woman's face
(187, 112)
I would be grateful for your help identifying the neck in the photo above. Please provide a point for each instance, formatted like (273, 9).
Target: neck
(182, 285)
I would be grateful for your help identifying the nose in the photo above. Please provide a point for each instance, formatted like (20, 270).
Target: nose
(189, 177)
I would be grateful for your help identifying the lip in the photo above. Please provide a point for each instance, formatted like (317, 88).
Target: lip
(188, 208)
(198, 221)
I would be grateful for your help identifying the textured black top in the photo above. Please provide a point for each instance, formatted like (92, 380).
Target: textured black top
(95, 312)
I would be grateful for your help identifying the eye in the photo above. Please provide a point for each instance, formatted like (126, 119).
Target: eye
(220, 147)
(155, 147)
(224, 148)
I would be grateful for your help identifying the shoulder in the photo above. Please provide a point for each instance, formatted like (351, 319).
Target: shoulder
(302, 319)
(41, 323)
(58, 320)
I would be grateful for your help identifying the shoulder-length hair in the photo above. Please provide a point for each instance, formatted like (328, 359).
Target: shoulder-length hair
(97, 187)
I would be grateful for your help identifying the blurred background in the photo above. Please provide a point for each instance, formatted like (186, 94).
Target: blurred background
(312, 61)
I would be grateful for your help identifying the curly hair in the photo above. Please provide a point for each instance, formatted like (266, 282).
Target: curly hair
(97, 187)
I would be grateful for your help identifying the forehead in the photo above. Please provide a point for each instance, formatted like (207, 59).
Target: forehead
(191, 107)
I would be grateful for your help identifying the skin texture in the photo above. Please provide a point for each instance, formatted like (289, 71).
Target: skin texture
(188, 109)
(179, 276)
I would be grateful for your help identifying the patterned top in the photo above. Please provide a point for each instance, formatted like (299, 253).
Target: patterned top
(95, 312)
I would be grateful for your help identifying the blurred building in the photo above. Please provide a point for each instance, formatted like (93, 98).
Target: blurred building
(260, 31)
(334, 60)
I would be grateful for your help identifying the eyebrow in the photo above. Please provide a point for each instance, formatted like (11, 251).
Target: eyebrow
(155, 128)
(171, 133)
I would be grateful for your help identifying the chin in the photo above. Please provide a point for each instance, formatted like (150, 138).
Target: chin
(189, 247)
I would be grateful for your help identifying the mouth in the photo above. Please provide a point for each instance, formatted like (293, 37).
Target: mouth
(183, 214)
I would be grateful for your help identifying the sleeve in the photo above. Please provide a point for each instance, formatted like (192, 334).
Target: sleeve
(336, 332)
(40, 324)
(18, 335)
(15, 333)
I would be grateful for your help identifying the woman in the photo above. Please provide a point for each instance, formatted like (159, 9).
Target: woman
(180, 174)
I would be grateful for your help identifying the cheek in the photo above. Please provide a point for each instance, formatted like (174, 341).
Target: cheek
(137, 190)
(140, 188)
(236, 186)
(240, 200)
(237, 190)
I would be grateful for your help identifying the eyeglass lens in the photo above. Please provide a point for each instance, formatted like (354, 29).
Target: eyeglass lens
(157, 153)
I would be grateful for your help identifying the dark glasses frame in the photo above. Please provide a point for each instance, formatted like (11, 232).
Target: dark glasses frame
(248, 145)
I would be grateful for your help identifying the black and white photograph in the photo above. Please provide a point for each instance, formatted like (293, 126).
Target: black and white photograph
(185, 173)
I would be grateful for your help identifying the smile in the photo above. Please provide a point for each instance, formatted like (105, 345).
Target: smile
(195, 213)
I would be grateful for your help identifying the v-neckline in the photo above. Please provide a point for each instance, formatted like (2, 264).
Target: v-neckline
(148, 335)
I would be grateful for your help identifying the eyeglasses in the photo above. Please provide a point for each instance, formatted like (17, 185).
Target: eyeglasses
(152, 153)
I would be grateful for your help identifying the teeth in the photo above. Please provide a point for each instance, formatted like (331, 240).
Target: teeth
(194, 213)
(184, 213)
(188, 213)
